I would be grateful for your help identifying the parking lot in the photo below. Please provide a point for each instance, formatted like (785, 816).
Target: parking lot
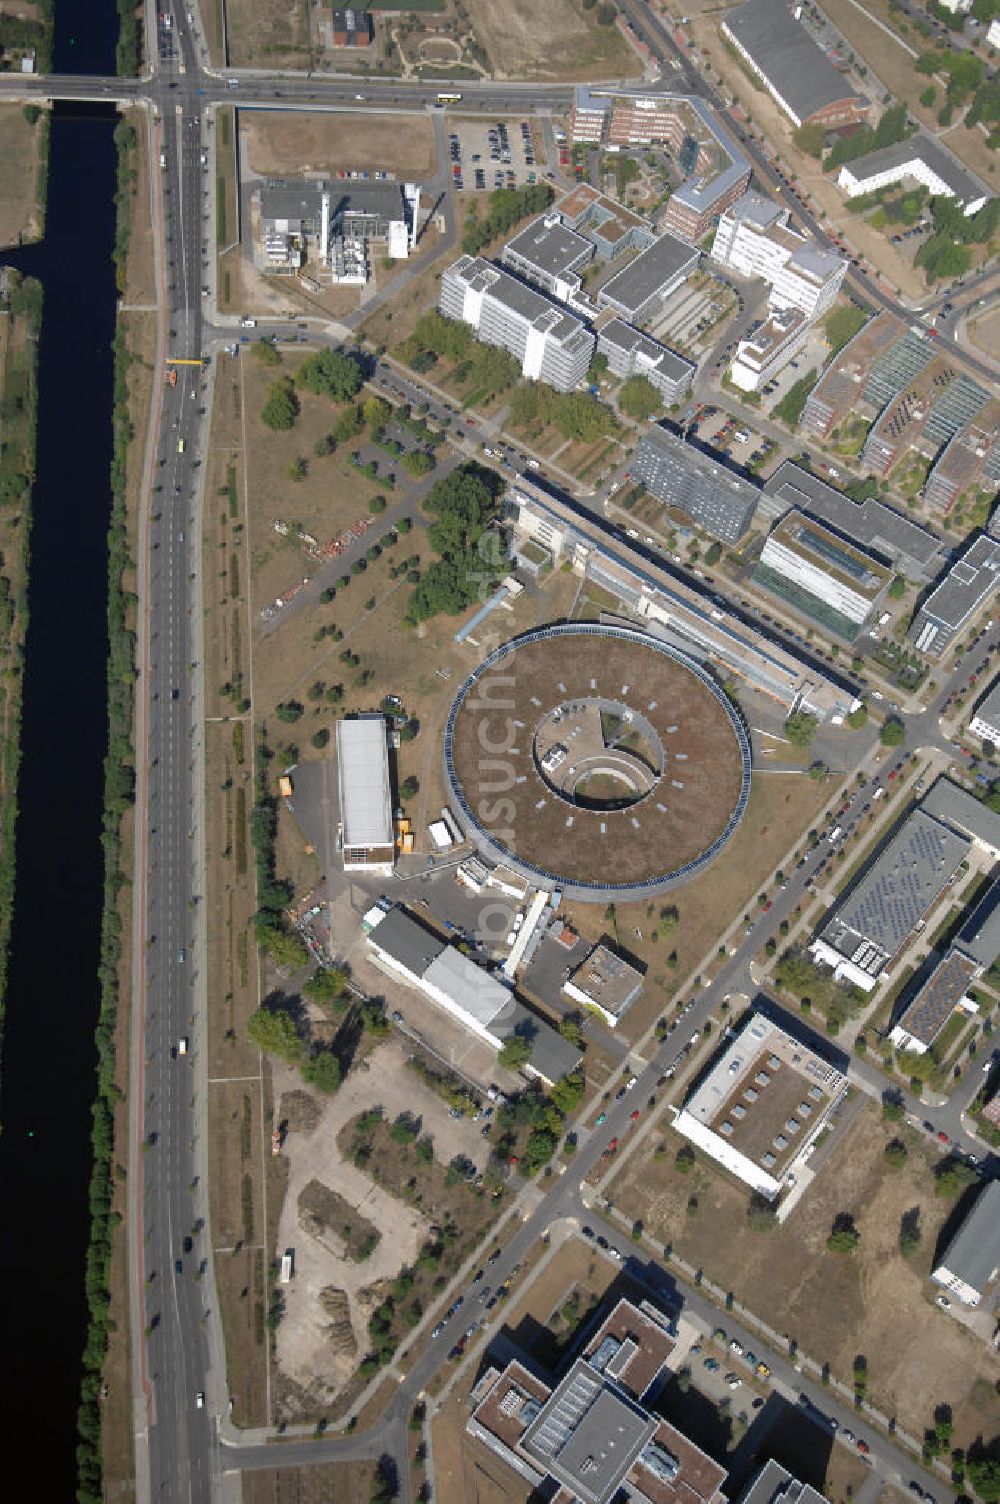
(487, 154)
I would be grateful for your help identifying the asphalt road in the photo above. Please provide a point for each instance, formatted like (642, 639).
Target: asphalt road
(181, 1452)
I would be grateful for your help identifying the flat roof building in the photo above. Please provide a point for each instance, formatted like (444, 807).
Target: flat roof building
(767, 347)
(605, 981)
(478, 999)
(945, 992)
(672, 607)
(629, 352)
(838, 393)
(716, 170)
(775, 1485)
(611, 227)
(552, 345)
(961, 810)
(754, 240)
(762, 1105)
(986, 722)
(685, 478)
(880, 914)
(293, 217)
(551, 255)
(967, 588)
(637, 291)
(589, 1438)
(872, 525)
(795, 71)
(919, 159)
(972, 1259)
(820, 575)
(367, 837)
(352, 28)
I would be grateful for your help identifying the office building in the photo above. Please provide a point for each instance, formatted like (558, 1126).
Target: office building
(687, 480)
(945, 993)
(819, 574)
(715, 170)
(637, 291)
(367, 837)
(837, 395)
(606, 982)
(480, 1000)
(754, 240)
(591, 1437)
(880, 915)
(874, 527)
(631, 353)
(762, 1104)
(968, 468)
(971, 1261)
(986, 722)
(552, 345)
(767, 347)
(968, 588)
(352, 28)
(961, 810)
(550, 255)
(794, 70)
(919, 159)
(924, 417)
(775, 1485)
(611, 227)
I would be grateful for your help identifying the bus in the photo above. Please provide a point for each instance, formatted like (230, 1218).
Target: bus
(449, 99)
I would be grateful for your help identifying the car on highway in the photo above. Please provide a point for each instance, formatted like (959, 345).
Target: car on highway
(601, 1119)
(199, 1399)
(178, 1266)
(612, 1145)
(633, 1117)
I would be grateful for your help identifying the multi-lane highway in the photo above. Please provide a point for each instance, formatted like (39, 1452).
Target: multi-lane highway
(185, 1448)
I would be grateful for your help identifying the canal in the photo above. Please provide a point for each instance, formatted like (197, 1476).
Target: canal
(48, 1078)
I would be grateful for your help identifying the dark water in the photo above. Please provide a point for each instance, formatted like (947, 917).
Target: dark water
(48, 1056)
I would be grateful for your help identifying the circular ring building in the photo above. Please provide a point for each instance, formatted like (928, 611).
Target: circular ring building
(596, 760)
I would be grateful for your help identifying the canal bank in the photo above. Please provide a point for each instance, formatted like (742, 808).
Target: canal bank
(47, 1085)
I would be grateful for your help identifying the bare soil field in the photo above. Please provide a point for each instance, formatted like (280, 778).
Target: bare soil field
(20, 217)
(354, 1226)
(301, 142)
(268, 33)
(574, 45)
(329, 1483)
(874, 1302)
(985, 331)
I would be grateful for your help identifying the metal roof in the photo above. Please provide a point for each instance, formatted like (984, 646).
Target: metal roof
(966, 586)
(974, 1253)
(468, 986)
(980, 935)
(588, 1435)
(787, 56)
(884, 909)
(363, 782)
(406, 941)
(957, 807)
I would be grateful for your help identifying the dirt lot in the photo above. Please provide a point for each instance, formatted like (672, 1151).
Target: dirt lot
(324, 1332)
(329, 1483)
(835, 1305)
(985, 331)
(575, 46)
(268, 33)
(295, 143)
(20, 218)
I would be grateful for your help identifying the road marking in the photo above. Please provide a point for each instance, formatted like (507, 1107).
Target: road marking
(223, 1080)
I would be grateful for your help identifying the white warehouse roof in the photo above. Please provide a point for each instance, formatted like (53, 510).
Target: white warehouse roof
(363, 782)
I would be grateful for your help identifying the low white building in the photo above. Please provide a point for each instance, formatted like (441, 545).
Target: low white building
(993, 34)
(367, 837)
(605, 982)
(765, 351)
(986, 722)
(754, 240)
(920, 160)
(971, 1261)
(762, 1105)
